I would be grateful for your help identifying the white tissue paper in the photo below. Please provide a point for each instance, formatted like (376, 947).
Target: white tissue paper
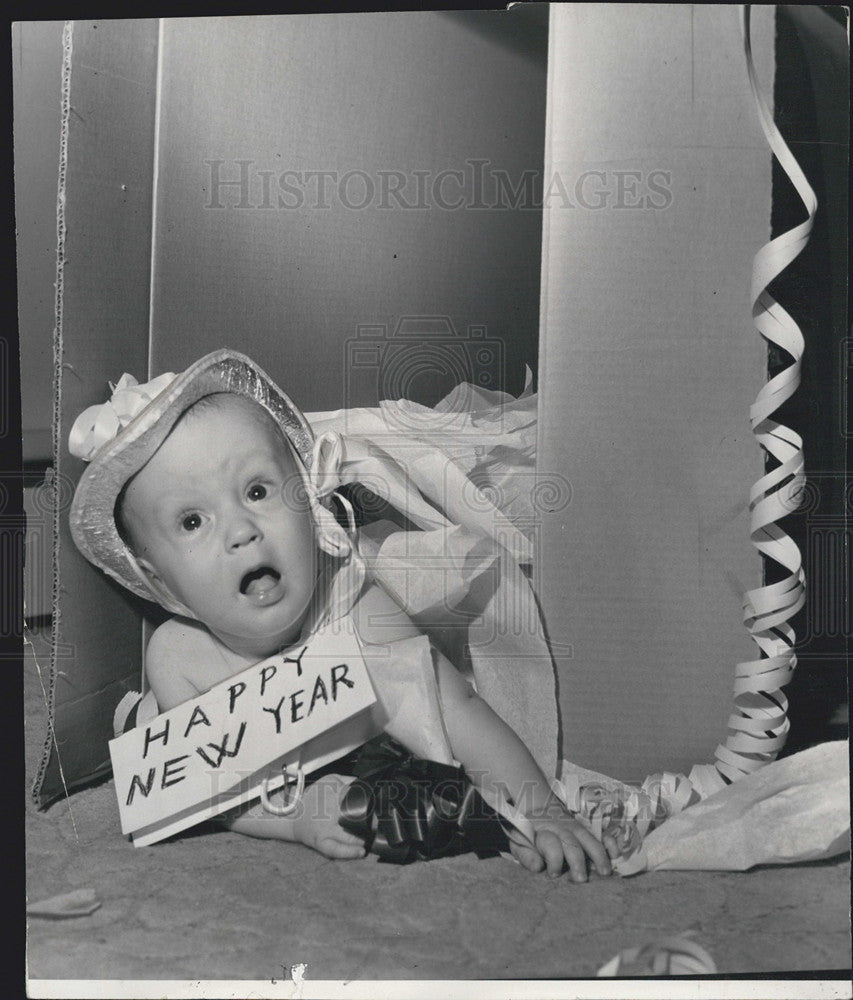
(791, 810)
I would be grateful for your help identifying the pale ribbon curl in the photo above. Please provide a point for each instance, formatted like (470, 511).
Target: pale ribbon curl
(322, 481)
(758, 726)
(338, 460)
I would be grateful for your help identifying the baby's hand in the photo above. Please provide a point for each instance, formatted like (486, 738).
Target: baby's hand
(561, 839)
(315, 822)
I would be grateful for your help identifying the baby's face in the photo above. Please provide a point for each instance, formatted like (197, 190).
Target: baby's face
(218, 517)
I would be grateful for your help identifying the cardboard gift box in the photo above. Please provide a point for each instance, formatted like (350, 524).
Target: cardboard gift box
(179, 234)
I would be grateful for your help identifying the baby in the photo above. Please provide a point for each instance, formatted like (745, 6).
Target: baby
(211, 519)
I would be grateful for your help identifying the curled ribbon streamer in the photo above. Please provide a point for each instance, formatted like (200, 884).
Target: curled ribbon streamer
(758, 726)
(671, 956)
(625, 812)
(97, 425)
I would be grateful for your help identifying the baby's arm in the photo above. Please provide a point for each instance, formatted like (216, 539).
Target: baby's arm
(494, 756)
(170, 654)
(180, 651)
(313, 823)
(499, 762)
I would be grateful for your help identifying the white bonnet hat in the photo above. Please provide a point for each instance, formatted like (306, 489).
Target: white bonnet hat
(119, 437)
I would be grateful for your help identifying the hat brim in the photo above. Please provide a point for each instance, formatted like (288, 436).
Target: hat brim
(92, 516)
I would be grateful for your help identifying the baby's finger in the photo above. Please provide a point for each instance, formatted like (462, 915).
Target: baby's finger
(552, 850)
(611, 846)
(340, 852)
(343, 836)
(596, 851)
(576, 860)
(526, 856)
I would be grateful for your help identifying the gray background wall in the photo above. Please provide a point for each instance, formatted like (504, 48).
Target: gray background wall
(371, 92)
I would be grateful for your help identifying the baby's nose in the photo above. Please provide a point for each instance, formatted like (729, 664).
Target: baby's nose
(243, 532)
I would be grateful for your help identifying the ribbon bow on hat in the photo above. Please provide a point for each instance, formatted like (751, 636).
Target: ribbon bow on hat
(322, 480)
(338, 459)
(97, 425)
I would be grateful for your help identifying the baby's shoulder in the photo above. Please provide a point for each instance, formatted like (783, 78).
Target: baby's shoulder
(177, 637)
(178, 644)
(177, 661)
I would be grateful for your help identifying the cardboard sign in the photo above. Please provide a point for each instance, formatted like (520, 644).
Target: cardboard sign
(212, 752)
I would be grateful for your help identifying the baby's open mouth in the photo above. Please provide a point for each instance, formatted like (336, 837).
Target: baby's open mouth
(259, 581)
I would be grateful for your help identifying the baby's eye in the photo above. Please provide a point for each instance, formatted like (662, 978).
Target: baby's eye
(192, 522)
(257, 492)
